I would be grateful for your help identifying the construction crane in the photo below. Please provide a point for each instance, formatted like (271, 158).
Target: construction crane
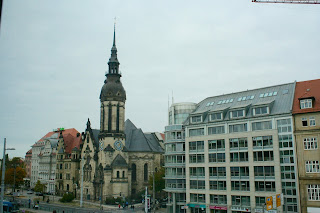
(288, 1)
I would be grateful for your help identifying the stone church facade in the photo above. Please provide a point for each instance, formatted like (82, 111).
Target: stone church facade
(118, 158)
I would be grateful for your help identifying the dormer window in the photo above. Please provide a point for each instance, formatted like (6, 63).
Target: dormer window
(237, 114)
(196, 119)
(216, 116)
(305, 103)
(261, 110)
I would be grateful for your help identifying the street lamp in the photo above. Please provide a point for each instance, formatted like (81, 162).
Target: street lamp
(3, 171)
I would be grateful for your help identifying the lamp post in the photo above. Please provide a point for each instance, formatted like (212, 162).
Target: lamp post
(3, 171)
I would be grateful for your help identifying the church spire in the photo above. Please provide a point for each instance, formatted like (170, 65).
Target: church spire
(113, 60)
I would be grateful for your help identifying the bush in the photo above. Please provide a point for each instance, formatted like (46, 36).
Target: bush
(113, 201)
(68, 197)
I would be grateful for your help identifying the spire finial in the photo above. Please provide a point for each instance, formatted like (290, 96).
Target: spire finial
(114, 31)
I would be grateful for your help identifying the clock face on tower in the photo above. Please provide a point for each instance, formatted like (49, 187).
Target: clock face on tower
(118, 145)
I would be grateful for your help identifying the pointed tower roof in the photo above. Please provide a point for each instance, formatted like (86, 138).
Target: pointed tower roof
(112, 89)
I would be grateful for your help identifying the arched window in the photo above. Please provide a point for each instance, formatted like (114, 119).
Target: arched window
(145, 172)
(123, 174)
(134, 172)
(118, 174)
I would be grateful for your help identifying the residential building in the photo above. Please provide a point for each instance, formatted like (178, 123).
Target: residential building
(43, 162)
(175, 172)
(239, 150)
(118, 158)
(27, 162)
(306, 113)
(67, 164)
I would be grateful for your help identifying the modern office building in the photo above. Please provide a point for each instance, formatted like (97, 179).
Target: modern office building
(239, 150)
(306, 114)
(175, 156)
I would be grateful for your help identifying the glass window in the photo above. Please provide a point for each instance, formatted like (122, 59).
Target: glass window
(260, 201)
(196, 132)
(216, 130)
(198, 198)
(216, 116)
(312, 121)
(286, 156)
(238, 143)
(261, 125)
(240, 185)
(263, 156)
(196, 146)
(285, 141)
(306, 103)
(218, 199)
(196, 119)
(239, 157)
(197, 184)
(262, 142)
(284, 125)
(238, 128)
(239, 172)
(217, 172)
(196, 158)
(240, 200)
(314, 192)
(217, 157)
(218, 185)
(197, 172)
(312, 166)
(268, 186)
(237, 114)
(310, 143)
(261, 110)
(216, 144)
(264, 171)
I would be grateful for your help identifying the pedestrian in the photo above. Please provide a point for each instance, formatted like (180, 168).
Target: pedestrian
(133, 207)
(48, 200)
(119, 206)
(54, 211)
(29, 203)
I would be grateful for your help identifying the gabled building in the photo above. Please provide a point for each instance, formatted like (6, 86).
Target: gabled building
(27, 162)
(118, 157)
(67, 163)
(306, 113)
(43, 161)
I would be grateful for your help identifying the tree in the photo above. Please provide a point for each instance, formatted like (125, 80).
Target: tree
(18, 180)
(39, 187)
(159, 181)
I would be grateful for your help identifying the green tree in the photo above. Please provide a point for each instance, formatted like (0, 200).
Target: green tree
(159, 182)
(39, 187)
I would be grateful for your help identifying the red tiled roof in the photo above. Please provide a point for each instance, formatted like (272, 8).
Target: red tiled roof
(307, 89)
(70, 142)
(71, 131)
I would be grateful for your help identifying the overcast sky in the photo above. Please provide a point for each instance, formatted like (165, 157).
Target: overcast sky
(54, 54)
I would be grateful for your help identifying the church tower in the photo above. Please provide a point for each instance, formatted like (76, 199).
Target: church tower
(112, 97)
(112, 170)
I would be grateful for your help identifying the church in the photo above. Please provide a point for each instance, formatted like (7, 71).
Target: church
(118, 158)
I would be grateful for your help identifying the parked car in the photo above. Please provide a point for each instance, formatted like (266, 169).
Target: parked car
(39, 193)
(29, 192)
